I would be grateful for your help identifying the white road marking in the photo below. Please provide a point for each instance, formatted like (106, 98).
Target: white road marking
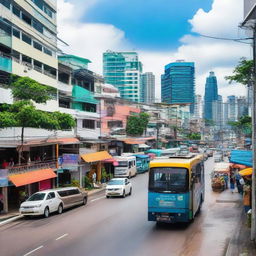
(61, 237)
(97, 198)
(34, 250)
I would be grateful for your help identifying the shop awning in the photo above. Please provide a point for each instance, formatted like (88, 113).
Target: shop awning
(243, 157)
(245, 172)
(95, 157)
(32, 177)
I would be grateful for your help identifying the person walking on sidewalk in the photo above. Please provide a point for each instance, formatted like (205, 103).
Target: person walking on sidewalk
(232, 183)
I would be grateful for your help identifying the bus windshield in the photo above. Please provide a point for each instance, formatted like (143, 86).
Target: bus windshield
(168, 179)
(122, 163)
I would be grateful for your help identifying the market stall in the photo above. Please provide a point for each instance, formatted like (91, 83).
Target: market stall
(220, 176)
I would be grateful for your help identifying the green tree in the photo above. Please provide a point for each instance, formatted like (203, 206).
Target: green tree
(194, 136)
(243, 72)
(136, 125)
(243, 126)
(22, 113)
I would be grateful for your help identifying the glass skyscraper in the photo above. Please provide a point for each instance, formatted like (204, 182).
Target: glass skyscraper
(148, 87)
(178, 84)
(210, 95)
(123, 70)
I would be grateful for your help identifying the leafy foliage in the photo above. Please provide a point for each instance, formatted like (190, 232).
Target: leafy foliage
(136, 125)
(243, 126)
(25, 88)
(243, 72)
(194, 136)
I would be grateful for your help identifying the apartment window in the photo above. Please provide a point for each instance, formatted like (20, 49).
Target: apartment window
(38, 26)
(50, 71)
(88, 124)
(26, 59)
(6, 3)
(16, 56)
(37, 46)
(39, 3)
(16, 11)
(38, 65)
(98, 124)
(26, 18)
(5, 27)
(47, 51)
(48, 11)
(26, 39)
(117, 123)
(16, 33)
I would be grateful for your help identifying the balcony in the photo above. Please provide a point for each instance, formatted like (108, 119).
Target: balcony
(5, 64)
(17, 169)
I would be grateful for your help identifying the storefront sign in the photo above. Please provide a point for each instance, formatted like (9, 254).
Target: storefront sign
(3, 177)
(70, 159)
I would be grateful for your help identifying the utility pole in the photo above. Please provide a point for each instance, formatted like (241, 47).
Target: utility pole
(253, 223)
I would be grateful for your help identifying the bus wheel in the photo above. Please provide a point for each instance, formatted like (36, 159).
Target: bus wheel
(129, 175)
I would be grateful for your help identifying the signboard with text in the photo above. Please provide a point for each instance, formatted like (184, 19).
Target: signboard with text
(4, 177)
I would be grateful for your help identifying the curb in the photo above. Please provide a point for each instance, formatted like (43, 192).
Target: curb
(10, 220)
(96, 192)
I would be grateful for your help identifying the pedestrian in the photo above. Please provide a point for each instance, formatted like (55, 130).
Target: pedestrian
(232, 183)
(94, 178)
(11, 163)
(238, 184)
(226, 180)
(1, 203)
(4, 164)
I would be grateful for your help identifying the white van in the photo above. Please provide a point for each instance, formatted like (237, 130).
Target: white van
(125, 166)
(53, 200)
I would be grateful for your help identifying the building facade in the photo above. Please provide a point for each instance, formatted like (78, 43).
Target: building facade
(211, 94)
(148, 87)
(178, 84)
(123, 70)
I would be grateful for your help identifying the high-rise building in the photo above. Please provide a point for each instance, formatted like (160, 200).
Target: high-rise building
(148, 87)
(232, 109)
(123, 70)
(242, 107)
(217, 113)
(178, 83)
(198, 107)
(28, 44)
(211, 94)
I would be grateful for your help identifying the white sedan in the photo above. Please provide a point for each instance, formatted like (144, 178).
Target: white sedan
(118, 187)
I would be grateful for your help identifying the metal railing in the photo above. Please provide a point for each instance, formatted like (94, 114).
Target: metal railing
(33, 166)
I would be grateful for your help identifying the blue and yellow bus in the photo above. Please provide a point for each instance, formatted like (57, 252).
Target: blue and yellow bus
(142, 162)
(176, 188)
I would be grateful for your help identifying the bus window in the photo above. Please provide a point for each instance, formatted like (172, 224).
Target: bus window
(168, 179)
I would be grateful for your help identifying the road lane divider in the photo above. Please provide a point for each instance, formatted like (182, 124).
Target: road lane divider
(38, 248)
(60, 237)
(96, 199)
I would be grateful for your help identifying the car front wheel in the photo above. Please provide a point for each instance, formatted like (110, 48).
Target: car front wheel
(130, 191)
(124, 194)
(85, 201)
(46, 212)
(60, 209)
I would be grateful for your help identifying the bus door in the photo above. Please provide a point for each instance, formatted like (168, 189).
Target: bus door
(196, 188)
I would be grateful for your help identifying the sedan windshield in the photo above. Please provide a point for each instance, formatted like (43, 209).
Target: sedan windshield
(168, 179)
(116, 182)
(37, 197)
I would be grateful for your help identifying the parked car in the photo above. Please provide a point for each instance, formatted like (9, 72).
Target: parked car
(118, 187)
(209, 152)
(53, 200)
(218, 157)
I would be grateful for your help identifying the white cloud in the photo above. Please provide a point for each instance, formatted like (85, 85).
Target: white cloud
(90, 40)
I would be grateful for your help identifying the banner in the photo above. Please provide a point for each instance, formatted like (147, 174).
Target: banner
(3, 177)
(70, 159)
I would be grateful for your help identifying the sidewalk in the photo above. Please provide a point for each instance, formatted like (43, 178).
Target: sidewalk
(240, 243)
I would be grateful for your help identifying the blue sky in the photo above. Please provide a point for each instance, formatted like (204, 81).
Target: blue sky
(148, 24)
(161, 31)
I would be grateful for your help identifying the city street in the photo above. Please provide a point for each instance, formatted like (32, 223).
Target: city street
(119, 226)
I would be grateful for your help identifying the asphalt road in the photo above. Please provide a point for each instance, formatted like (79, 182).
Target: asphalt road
(119, 226)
